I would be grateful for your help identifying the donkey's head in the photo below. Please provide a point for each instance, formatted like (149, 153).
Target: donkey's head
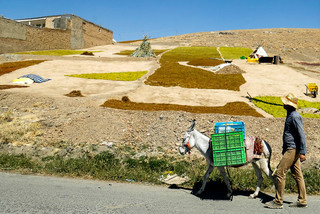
(188, 140)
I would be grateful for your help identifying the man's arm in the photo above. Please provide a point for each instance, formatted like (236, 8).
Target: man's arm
(302, 139)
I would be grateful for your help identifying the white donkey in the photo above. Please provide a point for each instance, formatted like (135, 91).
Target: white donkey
(194, 138)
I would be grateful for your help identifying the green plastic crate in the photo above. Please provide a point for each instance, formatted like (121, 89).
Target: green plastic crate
(229, 140)
(229, 157)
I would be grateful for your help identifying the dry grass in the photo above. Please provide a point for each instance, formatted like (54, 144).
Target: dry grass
(171, 73)
(17, 131)
(234, 108)
(8, 67)
(2, 87)
(205, 62)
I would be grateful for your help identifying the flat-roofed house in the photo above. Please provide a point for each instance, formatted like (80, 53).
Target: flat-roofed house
(65, 31)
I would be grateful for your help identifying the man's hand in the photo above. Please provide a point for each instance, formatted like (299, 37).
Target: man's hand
(302, 157)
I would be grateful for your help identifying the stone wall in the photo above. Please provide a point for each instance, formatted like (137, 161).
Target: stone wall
(12, 29)
(76, 40)
(96, 35)
(47, 39)
(16, 37)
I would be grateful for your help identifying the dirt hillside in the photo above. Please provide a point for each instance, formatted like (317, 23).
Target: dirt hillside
(74, 125)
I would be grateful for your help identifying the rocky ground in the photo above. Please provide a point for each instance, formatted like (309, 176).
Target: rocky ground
(70, 126)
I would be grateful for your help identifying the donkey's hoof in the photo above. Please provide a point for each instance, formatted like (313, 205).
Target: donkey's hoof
(198, 193)
(252, 196)
(230, 196)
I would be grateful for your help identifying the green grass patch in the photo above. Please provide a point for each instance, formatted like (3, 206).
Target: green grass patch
(190, 53)
(109, 165)
(129, 52)
(234, 52)
(55, 52)
(117, 76)
(273, 105)
(171, 73)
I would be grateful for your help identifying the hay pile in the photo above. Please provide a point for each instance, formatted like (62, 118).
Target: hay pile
(74, 93)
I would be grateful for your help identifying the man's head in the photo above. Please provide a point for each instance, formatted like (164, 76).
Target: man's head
(290, 101)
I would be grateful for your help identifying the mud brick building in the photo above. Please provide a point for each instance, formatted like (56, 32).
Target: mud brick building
(51, 32)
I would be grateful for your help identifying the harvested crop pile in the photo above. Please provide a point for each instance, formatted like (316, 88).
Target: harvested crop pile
(75, 93)
(230, 69)
(234, 108)
(2, 87)
(8, 67)
(171, 73)
(206, 62)
(87, 53)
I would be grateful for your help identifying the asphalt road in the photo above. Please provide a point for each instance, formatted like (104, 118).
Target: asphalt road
(42, 194)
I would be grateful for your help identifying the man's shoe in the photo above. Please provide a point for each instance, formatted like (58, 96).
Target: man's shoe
(273, 205)
(297, 204)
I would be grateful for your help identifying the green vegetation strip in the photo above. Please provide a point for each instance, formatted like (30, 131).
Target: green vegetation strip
(109, 166)
(55, 52)
(234, 52)
(118, 76)
(171, 73)
(274, 106)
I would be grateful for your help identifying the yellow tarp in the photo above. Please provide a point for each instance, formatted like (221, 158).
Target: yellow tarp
(252, 59)
(22, 81)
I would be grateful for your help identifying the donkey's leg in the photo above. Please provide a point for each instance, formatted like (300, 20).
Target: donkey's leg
(204, 182)
(226, 180)
(257, 169)
(265, 168)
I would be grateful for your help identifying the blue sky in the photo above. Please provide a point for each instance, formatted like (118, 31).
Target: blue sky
(132, 19)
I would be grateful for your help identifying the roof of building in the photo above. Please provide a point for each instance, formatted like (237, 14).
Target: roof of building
(62, 15)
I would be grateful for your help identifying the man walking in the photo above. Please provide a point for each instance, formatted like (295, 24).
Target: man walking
(294, 152)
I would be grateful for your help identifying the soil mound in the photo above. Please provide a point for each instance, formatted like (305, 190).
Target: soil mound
(75, 93)
(87, 53)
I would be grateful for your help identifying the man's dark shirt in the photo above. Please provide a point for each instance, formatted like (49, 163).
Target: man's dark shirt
(293, 134)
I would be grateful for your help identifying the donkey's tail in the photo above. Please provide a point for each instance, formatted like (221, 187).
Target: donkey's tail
(270, 154)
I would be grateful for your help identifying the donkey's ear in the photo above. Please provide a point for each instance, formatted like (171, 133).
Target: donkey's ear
(192, 125)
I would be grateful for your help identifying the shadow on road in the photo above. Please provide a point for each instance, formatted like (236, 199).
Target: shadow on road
(217, 190)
